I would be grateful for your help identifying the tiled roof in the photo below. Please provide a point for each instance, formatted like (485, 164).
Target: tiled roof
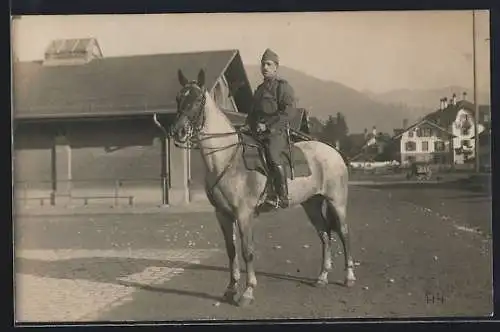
(358, 140)
(118, 85)
(424, 121)
(445, 117)
(398, 131)
(62, 46)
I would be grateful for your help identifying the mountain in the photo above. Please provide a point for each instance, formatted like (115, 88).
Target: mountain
(323, 98)
(426, 98)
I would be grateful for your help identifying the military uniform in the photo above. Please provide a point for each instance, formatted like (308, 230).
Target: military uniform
(272, 100)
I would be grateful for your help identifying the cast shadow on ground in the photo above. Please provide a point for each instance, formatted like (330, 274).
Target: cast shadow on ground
(110, 269)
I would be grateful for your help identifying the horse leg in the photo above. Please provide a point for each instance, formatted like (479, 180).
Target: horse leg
(227, 225)
(338, 216)
(312, 207)
(247, 247)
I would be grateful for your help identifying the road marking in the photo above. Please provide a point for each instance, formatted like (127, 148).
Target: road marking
(454, 222)
(80, 292)
(467, 229)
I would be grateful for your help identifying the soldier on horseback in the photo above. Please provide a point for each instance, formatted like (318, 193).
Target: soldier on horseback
(268, 122)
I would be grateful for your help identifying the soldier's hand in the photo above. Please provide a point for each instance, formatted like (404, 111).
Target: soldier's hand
(245, 128)
(261, 127)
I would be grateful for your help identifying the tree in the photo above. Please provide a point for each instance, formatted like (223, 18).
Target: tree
(329, 134)
(342, 129)
(335, 131)
(315, 127)
(342, 133)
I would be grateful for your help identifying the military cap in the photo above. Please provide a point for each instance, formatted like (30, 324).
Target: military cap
(270, 55)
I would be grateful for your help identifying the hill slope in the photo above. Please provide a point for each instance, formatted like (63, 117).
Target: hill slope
(323, 98)
(427, 98)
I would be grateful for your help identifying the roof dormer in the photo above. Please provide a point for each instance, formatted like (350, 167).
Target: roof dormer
(72, 52)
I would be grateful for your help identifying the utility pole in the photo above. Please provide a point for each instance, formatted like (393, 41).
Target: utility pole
(476, 102)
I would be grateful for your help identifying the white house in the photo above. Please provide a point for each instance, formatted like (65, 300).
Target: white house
(425, 141)
(444, 136)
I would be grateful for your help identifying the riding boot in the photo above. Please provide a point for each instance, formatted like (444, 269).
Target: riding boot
(280, 199)
(282, 186)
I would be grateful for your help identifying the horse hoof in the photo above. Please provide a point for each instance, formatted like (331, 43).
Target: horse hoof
(321, 283)
(349, 282)
(229, 297)
(245, 301)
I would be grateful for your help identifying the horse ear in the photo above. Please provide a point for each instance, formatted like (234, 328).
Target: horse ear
(201, 78)
(182, 79)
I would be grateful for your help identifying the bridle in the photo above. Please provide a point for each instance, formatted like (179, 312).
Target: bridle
(196, 120)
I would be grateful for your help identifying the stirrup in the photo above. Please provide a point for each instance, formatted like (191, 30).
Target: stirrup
(283, 203)
(277, 202)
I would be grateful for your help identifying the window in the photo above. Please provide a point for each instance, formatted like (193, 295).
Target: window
(419, 132)
(425, 146)
(410, 146)
(466, 143)
(465, 130)
(410, 134)
(439, 146)
(427, 132)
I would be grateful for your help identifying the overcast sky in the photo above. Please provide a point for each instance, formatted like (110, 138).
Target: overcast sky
(378, 51)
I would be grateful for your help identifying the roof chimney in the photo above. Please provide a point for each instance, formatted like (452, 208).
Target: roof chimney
(445, 102)
(464, 95)
(441, 104)
(454, 99)
(374, 131)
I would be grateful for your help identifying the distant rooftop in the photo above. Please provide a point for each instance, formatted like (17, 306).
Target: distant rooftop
(72, 51)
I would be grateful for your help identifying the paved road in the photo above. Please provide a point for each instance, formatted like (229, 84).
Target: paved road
(412, 261)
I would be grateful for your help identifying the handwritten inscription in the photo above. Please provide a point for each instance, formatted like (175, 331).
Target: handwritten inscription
(435, 298)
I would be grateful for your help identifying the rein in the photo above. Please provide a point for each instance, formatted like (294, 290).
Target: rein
(199, 129)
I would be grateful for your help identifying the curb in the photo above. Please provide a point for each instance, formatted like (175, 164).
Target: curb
(75, 211)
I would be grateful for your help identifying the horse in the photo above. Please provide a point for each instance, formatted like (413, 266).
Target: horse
(235, 193)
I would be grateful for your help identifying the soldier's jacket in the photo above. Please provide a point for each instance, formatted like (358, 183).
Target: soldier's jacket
(271, 102)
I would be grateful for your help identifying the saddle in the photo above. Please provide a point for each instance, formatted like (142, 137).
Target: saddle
(255, 160)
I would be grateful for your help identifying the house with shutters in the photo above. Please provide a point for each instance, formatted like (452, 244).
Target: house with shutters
(445, 136)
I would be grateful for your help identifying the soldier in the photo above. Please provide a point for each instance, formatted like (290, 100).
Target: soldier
(268, 122)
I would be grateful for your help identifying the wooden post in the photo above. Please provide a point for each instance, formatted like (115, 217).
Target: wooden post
(178, 175)
(164, 172)
(476, 101)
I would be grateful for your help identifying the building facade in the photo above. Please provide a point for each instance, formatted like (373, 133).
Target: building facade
(84, 130)
(445, 136)
(426, 142)
(83, 127)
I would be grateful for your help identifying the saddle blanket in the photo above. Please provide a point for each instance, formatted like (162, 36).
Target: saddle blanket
(253, 158)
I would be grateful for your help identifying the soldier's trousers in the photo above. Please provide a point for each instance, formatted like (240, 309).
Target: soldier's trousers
(275, 144)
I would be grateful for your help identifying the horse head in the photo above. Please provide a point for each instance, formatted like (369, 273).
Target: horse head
(190, 101)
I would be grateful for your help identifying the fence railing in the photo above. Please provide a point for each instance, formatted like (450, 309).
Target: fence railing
(86, 190)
